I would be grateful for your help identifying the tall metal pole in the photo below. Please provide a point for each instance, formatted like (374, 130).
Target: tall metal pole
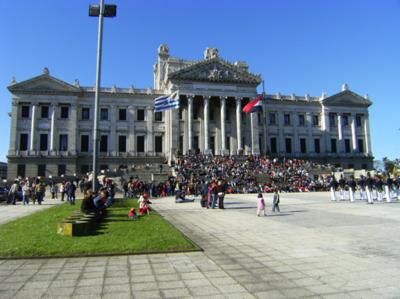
(96, 97)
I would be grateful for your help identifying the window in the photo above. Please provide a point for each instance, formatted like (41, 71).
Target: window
(63, 146)
(273, 145)
(103, 114)
(122, 114)
(288, 144)
(332, 120)
(195, 142)
(158, 116)
(103, 143)
(244, 117)
(347, 145)
(85, 169)
(315, 120)
(211, 113)
(303, 148)
(286, 119)
(227, 114)
(317, 147)
(43, 142)
(23, 142)
(122, 144)
(64, 112)
(85, 114)
(195, 113)
(358, 120)
(140, 114)
(21, 170)
(228, 143)
(62, 169)
(103, 167)
(360, 145)
(140, 144)
(158, 144)
(258, 118)
(302, 120)
(364, 166)
(84, 143)
(181, 114)
(345, 120)
(180, 144)
(272, 118)
(333, 145)
(44, 112)
(41, 170)
(25, 111)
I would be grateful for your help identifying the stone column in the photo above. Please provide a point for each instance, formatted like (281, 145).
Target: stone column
(223, 135)
(32, 145)
(281, 142)
(325, 129)
(113, 130)
(190, 123)
(149, 124)
(239, 124)
(206, 114)
(131, 130)
(340, 133)
(367, 133)
(255, 148)
(73, 129)
(353, 132)
(53, 128)
(13, 129)
(310, 143)
(296, 141)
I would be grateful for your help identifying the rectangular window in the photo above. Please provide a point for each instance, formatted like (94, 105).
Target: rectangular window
(23, 142)
(44, 111)
(317, 146)
(227, 114)
(303, 147)
(158, 116)
(85, 169)
(41, 170)
(211, 114)
(228, 143)
(181, 114)
(103, 167)
(21, 170)
(358, 120)
(347, 145)
(360, 145)
(332, 120)
(122, 144)
(259, 118)
(24, 111)
(302, 120)
(85, 113)
(122, 114)
(63, 146)
(64, 112)
(103, 114)
(288, 144)
(272, 119)
(103, 143)
(315, 120)
(244, 117)
(286, 119)
(158, 144)
(333, 145)
(140, 144)
(62, 169)
(84, 143)
(195, 113)
(273, 145)
(345, 120)
(195, 142)
(181, 144)
(140, 114)
(43, 142)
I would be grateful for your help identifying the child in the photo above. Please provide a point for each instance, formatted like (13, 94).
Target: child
(275, 201)
(132, 214)
(260, 204)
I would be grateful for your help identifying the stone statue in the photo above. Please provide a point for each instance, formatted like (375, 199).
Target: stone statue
(211, 53)
(163, 49)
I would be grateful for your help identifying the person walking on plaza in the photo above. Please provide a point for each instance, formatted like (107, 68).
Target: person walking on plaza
(352, 188)
(332, 187)
(40, 190)
(342, 186)
(13, 192)
(53, 190)
(369, 182)
(379, 188)
(275, 201)
(361, 187)
(388, 188)
(62, 190)
(260, 205)
(71, 192)
(26, 193)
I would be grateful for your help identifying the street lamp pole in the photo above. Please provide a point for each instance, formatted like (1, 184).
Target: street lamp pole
(96, 97)
(100, 11)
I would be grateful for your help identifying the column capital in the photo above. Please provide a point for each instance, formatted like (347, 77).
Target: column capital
(190, 96)
(206, 97)
(150, 108)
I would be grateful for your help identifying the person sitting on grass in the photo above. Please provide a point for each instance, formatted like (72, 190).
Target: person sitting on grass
(87, 205)
(132, 214)
(144, 207)
(101, 203)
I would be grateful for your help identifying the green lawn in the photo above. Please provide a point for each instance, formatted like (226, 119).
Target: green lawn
(36, 235)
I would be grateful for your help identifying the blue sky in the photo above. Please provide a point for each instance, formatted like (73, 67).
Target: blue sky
(299, 47)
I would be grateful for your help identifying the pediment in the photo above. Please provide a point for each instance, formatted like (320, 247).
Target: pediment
(43, 84)
(215, 70)
(347, 98)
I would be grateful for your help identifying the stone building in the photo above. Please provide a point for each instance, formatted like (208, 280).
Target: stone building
(52, 121)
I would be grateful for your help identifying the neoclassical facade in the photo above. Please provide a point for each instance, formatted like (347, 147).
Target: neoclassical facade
(52, 121)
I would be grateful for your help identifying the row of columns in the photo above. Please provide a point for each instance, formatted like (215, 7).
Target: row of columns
(32, 143)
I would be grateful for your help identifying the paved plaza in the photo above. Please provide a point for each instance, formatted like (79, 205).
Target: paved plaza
(314, 248)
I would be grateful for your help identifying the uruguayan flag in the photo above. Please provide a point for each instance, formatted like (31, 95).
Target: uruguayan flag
(167, 102)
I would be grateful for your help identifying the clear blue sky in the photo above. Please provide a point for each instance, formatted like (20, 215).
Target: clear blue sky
(298, 46)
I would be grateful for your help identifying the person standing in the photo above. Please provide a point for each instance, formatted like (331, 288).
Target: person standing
(361, 187)
(13, 192)
(260, 205)
(332, 187)
(379, 188)
(388, 188)
(352, 187)
(275, 201)
(71, 193)
(62, 190)
(342, 186)
(26, 193)
(369, 182)
(40, 191)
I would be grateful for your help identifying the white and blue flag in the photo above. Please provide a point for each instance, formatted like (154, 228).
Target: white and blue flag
(167, 102)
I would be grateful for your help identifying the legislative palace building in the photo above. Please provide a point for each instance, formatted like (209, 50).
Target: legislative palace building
(52, 121)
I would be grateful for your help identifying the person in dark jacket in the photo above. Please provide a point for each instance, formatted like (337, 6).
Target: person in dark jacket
(342, 186)
(332, 187)
(379, 188)
(388, 188)
(352, 188)
(369, 183)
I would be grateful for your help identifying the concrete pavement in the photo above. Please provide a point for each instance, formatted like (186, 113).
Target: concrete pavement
(314, 248)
